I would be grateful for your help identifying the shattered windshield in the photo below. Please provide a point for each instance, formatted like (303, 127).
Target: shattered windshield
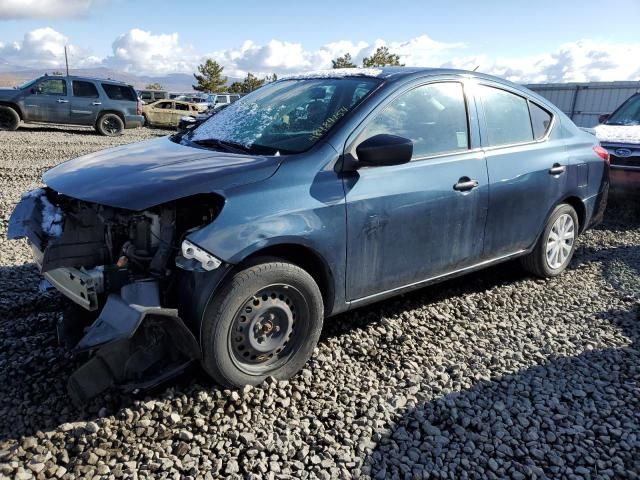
(287, 116)
(627, 114)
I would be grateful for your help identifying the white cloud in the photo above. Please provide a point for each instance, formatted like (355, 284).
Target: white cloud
(12, 9)
(44, 48)
(286, 57)
(139, 51)
(142, 52)
(581, 61)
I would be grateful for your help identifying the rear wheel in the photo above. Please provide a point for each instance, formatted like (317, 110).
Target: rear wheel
(556, 245)
(9, 118)
(110, 125)
(265, 321)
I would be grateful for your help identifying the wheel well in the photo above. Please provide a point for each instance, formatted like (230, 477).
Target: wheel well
(307, 259)
(579, 207)
(103, 112)
(14, 106)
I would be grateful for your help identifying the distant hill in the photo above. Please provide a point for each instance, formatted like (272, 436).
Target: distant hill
(10, 75)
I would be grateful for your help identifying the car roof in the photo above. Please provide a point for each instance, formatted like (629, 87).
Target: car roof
(395, 73)
(91, 79)
(398, 74)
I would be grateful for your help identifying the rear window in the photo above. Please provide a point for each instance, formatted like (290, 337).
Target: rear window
(84, 89)
(119, 92)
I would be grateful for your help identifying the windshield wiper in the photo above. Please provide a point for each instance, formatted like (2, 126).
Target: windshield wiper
(232, 147)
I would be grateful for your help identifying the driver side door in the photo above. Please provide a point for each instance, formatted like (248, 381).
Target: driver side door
(409, 223)
(48, 101)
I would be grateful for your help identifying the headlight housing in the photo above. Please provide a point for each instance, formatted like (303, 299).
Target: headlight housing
(207, 261)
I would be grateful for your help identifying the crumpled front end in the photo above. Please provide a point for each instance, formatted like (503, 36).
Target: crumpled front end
(122, 266)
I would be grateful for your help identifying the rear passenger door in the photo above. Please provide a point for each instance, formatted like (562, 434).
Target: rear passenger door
(85, 102)
(527, 164)
(412, 222)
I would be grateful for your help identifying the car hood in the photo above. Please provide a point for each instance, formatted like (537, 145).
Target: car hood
(6, 93)
(149, 173)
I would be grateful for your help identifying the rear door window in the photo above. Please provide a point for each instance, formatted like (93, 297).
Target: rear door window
(433, 116)
(506, 116)
(119, 92)
(540, 120)
(163, 105)
(84, 89)
(182, 106)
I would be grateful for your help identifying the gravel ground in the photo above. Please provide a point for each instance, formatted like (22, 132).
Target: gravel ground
(495, 375)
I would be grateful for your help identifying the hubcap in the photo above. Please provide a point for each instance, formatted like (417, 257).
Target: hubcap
(560, 241)
(110, 125)
(265, 330)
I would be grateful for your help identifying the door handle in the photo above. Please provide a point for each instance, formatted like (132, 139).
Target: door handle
(557, 169)
(465, 184)
(60, 100)
(96, 103)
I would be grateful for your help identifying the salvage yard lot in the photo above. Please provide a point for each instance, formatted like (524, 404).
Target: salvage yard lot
(492, 375)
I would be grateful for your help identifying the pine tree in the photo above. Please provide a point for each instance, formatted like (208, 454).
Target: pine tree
(343, 62)
(382, 58)
(210, 79)
(249, 84)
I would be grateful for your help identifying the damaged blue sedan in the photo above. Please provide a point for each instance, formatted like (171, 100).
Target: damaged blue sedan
(230, 243)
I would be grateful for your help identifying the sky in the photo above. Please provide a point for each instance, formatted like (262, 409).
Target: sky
(525, 41)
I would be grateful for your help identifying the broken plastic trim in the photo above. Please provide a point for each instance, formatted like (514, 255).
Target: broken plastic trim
(137, 344)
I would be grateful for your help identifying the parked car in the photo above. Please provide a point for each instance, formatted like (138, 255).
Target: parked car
(107, 105)
(619, 133)
(222, 99)
(199, 100)
(150, 96)
(231, 243)
(167, 113)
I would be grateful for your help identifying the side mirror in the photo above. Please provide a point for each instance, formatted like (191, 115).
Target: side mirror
(604, 117)
(383, 150)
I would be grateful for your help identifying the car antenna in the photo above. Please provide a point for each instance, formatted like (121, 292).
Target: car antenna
(477, 67)
(66, 60)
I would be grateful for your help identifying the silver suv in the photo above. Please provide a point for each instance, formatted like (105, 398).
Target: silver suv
(107, 105)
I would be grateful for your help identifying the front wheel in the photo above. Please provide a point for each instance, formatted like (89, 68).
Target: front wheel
(265, 321)
(9, 118)
(110, 125)
(556, 245)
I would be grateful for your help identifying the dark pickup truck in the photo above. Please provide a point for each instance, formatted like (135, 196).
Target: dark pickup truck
(107, 105)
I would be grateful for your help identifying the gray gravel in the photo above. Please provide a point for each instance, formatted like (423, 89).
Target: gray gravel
(495, 375)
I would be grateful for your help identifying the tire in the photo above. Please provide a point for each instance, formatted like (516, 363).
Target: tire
(265, 321)
(538, 262)
(110, 125)
(9, 118)
(145, 121)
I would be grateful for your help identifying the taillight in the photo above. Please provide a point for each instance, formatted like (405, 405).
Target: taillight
(138, 107)
(601, 152)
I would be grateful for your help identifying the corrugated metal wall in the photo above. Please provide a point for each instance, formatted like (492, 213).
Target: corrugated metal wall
(584, 102)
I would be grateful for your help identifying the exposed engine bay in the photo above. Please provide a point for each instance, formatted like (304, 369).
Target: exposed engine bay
(121, 265)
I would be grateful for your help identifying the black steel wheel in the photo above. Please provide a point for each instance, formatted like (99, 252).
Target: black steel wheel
(110, 125)
(265, 321)
(9, 118)
(264, 329)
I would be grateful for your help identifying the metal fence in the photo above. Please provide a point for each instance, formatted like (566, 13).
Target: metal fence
(585, 102)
